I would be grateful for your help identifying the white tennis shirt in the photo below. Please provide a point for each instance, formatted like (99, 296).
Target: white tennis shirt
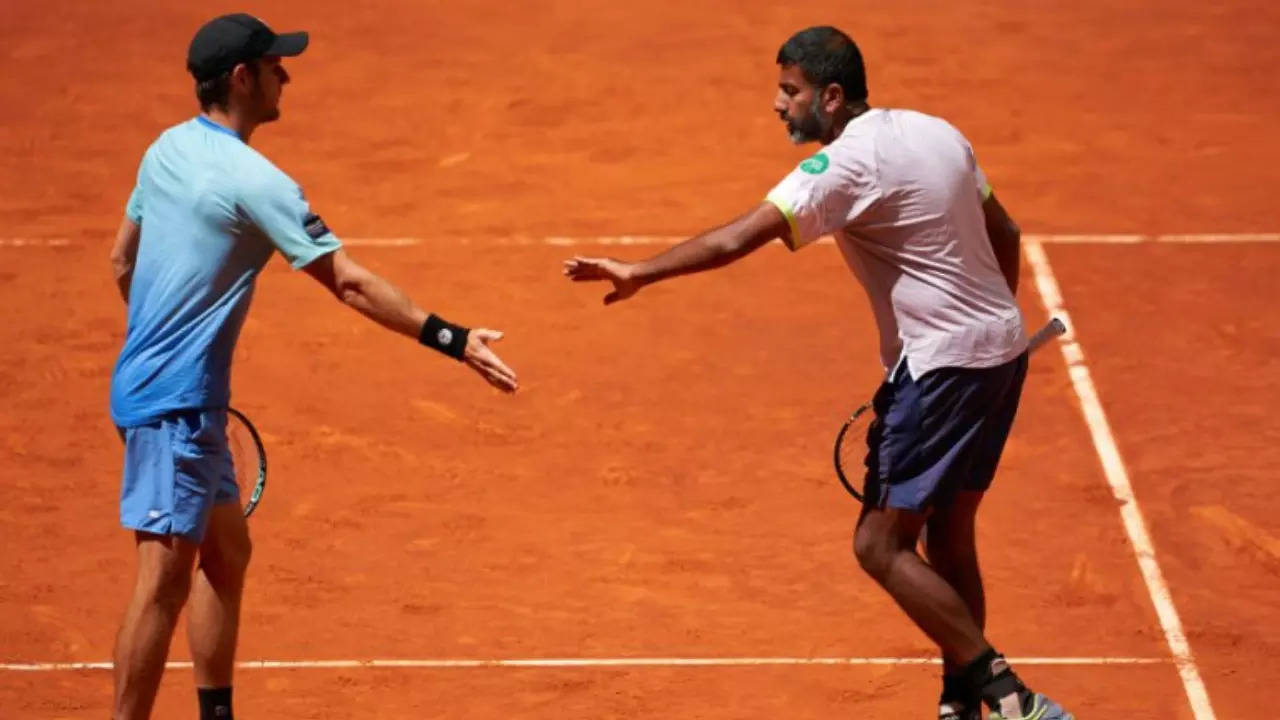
(902, 193)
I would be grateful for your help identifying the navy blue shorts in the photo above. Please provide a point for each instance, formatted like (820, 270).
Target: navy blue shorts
(940, 434)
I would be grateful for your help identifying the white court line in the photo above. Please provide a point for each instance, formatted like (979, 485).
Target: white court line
(1118, 477)
(1221, 238)
(444, 664)
(1089, 239)
(34, 242)
(1184, 239)
(384, 242)
(619, 240)
(662, 240)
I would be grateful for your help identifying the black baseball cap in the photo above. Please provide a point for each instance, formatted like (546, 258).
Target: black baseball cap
(226, 41)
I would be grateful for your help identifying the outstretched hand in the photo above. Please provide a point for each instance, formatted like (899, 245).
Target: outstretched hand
(479, 357)
(582, 269)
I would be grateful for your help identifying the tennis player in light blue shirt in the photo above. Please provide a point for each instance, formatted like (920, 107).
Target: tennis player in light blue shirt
(207, 213)
(212, 210)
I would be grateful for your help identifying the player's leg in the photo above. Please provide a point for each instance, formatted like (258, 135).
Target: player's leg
(213, 613)
(213, 619)
(142, 645)
(167, 497)
(951, 548)
(989, 674)
(911, 460)
(885, 545)
(929, 439)
(165, 558)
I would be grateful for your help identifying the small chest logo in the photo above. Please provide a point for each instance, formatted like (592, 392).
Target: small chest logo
(816, 164)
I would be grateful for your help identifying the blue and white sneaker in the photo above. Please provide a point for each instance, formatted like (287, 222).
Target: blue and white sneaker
(1042, 708)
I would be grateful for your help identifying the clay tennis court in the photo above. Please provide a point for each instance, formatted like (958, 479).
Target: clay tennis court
(656, 507)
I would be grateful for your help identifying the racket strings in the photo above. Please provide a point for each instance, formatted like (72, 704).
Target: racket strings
(244, 462)
(248, 459)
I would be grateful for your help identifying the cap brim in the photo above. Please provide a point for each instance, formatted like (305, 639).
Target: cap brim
(289, 44)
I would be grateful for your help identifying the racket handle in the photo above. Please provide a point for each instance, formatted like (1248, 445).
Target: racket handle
(1053, 329)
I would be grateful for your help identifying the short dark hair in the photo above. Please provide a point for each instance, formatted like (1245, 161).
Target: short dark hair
(214, 91)
(825, 56)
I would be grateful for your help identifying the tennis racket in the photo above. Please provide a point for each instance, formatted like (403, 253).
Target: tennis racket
(248, 459)
(849, 449)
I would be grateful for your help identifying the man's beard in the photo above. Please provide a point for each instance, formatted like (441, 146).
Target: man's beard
(812, 127)
(266, 114)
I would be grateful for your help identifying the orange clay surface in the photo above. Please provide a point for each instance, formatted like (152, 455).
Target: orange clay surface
(660, 487)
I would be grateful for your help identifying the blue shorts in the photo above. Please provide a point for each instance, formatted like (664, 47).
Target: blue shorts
(940, 434)
(175, 470)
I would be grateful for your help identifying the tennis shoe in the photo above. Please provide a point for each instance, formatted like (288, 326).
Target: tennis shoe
(959, 711)
(1042, 708)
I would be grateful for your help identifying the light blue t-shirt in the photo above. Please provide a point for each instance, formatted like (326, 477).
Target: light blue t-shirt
(212, 210)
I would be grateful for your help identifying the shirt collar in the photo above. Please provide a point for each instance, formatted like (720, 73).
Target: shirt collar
(216, 127)
(861, 117)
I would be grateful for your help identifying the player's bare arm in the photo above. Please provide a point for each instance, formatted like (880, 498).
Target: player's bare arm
(712, 249)
(1006, 240)
(124, 252)
(387, 305)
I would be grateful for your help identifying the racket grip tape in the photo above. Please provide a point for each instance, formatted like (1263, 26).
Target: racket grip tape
(1053, 329)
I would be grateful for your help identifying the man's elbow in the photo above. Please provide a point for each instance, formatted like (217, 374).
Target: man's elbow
(351, 288)
(732, 245)
(726, 245)
(348, 281)
(348, 291)
(121, 264)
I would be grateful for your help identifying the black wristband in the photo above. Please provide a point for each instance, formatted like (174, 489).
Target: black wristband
(444, 336)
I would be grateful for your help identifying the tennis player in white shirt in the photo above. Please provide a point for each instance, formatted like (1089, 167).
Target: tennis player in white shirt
(938, 256)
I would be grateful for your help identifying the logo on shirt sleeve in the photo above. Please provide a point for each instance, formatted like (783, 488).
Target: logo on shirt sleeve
(816, 165)
(314, 226)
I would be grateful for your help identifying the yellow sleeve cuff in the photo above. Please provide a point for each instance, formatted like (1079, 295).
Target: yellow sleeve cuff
(785, 209)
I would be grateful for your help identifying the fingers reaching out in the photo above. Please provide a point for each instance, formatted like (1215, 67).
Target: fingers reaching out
(585, 269)
(481, 358)
(581, 269)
